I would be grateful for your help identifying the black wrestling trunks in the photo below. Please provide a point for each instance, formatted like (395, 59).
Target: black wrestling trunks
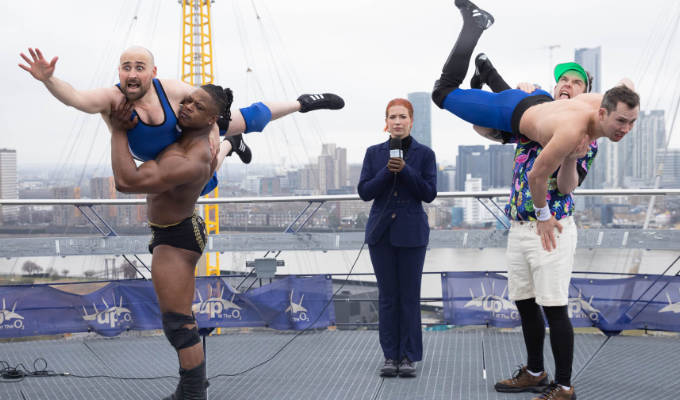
(188, 234)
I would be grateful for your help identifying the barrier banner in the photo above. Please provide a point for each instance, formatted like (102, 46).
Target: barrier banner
(110, 308)
(305, 302)
(637, 302)
(612, 305)
(478, 298)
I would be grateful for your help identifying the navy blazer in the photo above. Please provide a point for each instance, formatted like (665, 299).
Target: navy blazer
(399, 208)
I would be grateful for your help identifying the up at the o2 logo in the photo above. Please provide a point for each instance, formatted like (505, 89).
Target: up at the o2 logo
(580, 308)
(217, 307)
(297, 312)
(499, 306)
(671, 307)
(111, 317)
(10, 319)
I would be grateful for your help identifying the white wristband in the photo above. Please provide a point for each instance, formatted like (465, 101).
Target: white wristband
(543, 213)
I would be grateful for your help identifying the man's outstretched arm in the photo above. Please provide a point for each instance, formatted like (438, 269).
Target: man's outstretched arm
(89, 101)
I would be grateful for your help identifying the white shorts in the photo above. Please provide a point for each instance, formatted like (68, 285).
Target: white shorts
(534, 272)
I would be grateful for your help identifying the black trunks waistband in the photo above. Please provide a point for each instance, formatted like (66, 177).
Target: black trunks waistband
(524, 105)
(187, 234)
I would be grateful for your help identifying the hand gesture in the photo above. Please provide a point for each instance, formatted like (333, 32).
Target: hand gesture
(546, 230)
(526, 87)
(395, 164)
(121, 114)
(38, 67)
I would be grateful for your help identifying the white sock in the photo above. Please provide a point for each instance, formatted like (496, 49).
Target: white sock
(565, 387)
(534, 373)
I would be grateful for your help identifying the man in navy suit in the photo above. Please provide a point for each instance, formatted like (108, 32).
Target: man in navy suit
(397, 234)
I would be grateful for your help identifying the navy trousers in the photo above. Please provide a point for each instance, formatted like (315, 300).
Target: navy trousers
(399, 271)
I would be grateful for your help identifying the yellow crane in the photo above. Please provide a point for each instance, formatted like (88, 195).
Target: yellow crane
(197, 70)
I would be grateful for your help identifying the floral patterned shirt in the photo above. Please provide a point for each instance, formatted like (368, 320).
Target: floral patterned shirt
(521, 207)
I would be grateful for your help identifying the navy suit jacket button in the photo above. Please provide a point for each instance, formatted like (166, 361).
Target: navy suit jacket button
(394, 215)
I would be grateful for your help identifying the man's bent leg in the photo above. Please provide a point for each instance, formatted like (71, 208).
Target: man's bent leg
(457, 63)
(173, 278)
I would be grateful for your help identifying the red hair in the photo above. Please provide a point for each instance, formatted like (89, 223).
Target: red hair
(399, 102)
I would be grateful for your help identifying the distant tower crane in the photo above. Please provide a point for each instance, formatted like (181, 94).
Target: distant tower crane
(197, 70)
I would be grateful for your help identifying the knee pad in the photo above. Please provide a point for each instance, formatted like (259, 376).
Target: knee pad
(179, 336)
(257, 116)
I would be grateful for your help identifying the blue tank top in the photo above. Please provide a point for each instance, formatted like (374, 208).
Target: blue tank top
(147, 141)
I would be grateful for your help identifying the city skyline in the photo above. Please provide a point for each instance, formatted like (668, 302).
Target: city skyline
(274, 57)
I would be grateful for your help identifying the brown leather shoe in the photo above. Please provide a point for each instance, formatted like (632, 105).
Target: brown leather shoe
(523, 381)
(556, 392)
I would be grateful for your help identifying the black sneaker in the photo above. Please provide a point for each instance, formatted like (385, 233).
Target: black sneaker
(389, 368)
(239, 146)
(482, 68)
(407, 368)
(482, 18)
(323, 101)
(193, 384)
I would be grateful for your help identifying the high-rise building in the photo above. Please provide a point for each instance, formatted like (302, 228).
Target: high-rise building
(639, 148)
(472, 160)
(589, 59)
(270, 186)
(104, 188)
(65, 215)
(354, 176)
(501, 161)
(340, 167)
(422, 123)
(328, 149)
(9, 186)
(475, 213)
(670, 171)
(605, 166)
(332, 168)
(446, 178)
(326, 173)
(309, 177)
(604, 171)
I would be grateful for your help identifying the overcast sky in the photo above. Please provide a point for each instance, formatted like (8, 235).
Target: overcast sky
(368, 51)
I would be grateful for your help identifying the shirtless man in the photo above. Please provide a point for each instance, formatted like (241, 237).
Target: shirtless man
(157, 109)
(538, 281)
(173, 182)
(561, 127)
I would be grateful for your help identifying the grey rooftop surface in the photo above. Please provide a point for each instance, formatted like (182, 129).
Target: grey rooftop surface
(340, 365)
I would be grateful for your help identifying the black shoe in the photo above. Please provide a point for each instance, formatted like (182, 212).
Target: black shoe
(389, 368)
(323, 101)
(482, 68)
(193, 384)
(239, 146)
(482, 18)
(407, 368)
